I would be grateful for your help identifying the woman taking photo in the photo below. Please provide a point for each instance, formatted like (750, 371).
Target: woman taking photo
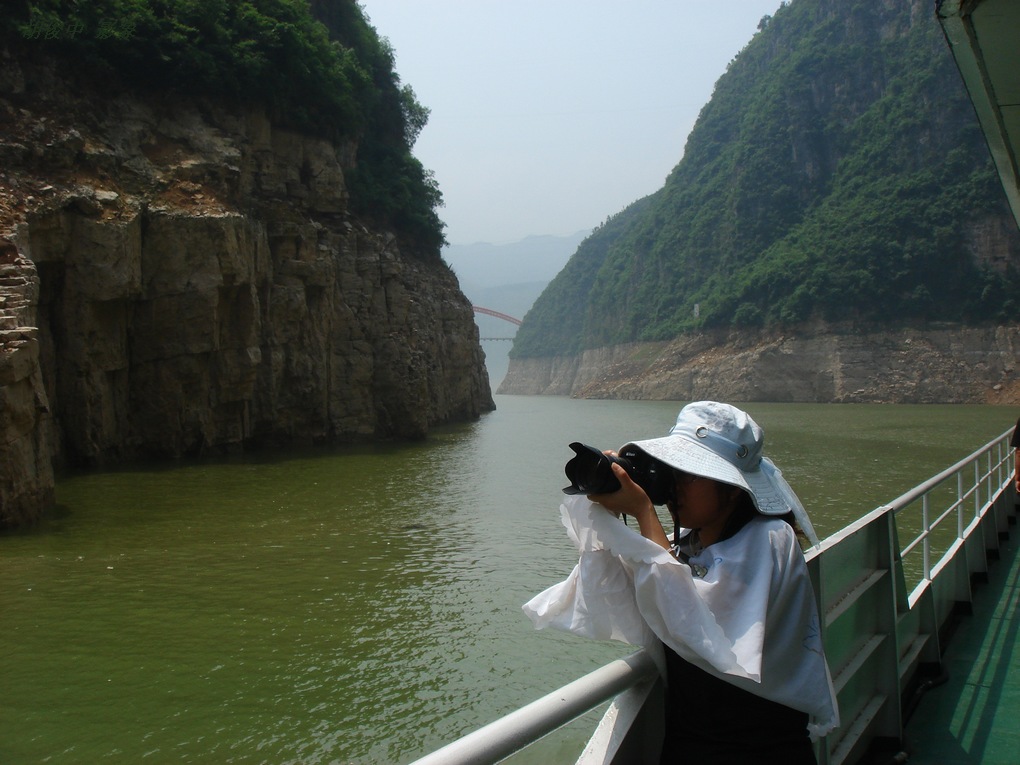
(726, 607)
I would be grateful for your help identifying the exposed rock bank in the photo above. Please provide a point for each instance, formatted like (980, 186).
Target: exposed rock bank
(26, 474)
(182, 279)
(819, 364)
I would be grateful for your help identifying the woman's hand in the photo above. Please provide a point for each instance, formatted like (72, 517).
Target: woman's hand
(629, 499)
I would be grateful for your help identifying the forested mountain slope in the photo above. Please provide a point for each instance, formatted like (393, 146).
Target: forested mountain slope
(836, 175)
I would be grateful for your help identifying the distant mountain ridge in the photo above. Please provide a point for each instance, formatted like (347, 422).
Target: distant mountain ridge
(837, 175)
(535, 258)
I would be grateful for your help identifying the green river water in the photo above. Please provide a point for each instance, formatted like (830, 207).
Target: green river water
(359, 605)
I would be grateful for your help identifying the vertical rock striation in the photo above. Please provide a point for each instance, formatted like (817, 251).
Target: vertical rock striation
(26, 475)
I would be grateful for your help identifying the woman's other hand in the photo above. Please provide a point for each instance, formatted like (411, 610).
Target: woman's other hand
(630, 499)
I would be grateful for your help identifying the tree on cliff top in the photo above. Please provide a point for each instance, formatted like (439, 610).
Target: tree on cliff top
(318, 67)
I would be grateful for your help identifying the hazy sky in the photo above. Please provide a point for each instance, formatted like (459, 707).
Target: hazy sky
(550, 115)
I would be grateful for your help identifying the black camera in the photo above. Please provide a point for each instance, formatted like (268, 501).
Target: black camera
(590, 472)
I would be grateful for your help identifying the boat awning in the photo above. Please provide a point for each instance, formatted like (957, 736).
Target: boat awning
(984, 36)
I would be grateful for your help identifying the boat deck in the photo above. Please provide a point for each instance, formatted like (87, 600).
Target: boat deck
(972, 717)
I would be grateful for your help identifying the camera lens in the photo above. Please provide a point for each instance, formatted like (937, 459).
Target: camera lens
(590, 471)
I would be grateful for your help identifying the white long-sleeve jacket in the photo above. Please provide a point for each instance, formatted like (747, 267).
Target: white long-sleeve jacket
(743, 610)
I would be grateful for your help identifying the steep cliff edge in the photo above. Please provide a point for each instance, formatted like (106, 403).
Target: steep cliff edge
(182, 278)
(26, 473)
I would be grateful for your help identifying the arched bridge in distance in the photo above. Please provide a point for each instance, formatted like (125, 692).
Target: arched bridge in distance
(498, 315)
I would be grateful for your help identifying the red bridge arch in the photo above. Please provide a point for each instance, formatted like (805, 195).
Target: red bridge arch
(497, 314)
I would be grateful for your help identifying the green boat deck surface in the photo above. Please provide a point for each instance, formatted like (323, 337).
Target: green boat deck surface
(974, 717)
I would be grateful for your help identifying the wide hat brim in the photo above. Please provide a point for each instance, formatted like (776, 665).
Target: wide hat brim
(771, 494)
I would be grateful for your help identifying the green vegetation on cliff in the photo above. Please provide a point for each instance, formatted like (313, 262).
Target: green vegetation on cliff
(316, 66)
(838, 174)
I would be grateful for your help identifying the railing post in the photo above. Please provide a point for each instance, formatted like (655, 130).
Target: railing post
(926, 525)
(989, 491)
(960, 524)
(977, 490)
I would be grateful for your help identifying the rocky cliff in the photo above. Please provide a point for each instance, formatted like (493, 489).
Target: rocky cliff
(180, 278)
(815, 364)
(26, 473)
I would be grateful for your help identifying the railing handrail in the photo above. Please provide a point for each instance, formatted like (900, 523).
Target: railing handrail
(509, 734)
(937, 480)
(923, 536)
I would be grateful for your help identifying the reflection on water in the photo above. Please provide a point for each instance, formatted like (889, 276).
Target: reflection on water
(358, 605)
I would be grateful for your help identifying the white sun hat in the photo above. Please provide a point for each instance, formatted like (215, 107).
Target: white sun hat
(721, 442)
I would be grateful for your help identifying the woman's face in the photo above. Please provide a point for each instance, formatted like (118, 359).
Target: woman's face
(701, 503)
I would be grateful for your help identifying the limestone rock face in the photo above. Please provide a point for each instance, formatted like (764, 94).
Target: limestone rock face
(924, 365)
(26, 474)
(190, 281)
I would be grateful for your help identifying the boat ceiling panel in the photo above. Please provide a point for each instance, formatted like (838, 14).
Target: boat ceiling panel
(984, 36)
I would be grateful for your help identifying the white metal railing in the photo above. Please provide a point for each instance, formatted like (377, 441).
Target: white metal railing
(877, 636)
(881, 637)
(988, 472)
